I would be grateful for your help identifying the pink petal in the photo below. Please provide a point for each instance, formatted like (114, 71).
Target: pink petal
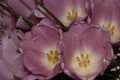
(5, 73)
(104, 14)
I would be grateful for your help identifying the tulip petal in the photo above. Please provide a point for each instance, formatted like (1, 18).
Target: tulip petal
(106, 15)
(11, 43)
(79, 27)
(23, 7)
(5, 73)
(30, 77)
(20, 70)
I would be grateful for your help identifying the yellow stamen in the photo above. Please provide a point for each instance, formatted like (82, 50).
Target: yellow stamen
(111, 29)
(83, 60)
(72, 15)
(53, 56)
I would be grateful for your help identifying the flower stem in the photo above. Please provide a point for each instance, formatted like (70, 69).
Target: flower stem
(16, 14)
(54, 17)
(110, 75)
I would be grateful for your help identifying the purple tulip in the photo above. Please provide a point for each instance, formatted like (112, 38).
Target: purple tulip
(9, 45)
(86, 51)
(67, 10)
(10, 40)
(41, 51)
(107, 13)
(25, 8)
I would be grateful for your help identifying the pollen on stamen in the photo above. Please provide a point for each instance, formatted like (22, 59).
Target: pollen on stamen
(82, 55)
(52, 57)
(49, 57)
(72, 15)
(83, 60)
(78, 59)
(111, 29)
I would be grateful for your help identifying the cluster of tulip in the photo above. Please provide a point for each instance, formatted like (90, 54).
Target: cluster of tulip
(42, 38)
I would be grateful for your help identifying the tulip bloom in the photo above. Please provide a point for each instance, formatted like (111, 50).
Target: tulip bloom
(41, 51)
(86, 51)
(25, 8)
(67, 10)
(10, 40)
(107, 13)
(9, 45)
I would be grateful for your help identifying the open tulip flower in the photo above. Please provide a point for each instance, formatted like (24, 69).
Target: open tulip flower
(67, 10)
(107, 13)
(47, 39)
(41, 51)
(86, 54)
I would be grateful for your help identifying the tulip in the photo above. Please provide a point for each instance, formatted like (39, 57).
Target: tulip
(107, 13)
(41, 54)
(10, 41)
(25, 8)
(9, 46)
(86, 51)
(66, 11)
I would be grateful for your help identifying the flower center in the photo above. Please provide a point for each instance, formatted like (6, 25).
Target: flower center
(110, 28)
(72, 15)
(83, 60)
(52, 56)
